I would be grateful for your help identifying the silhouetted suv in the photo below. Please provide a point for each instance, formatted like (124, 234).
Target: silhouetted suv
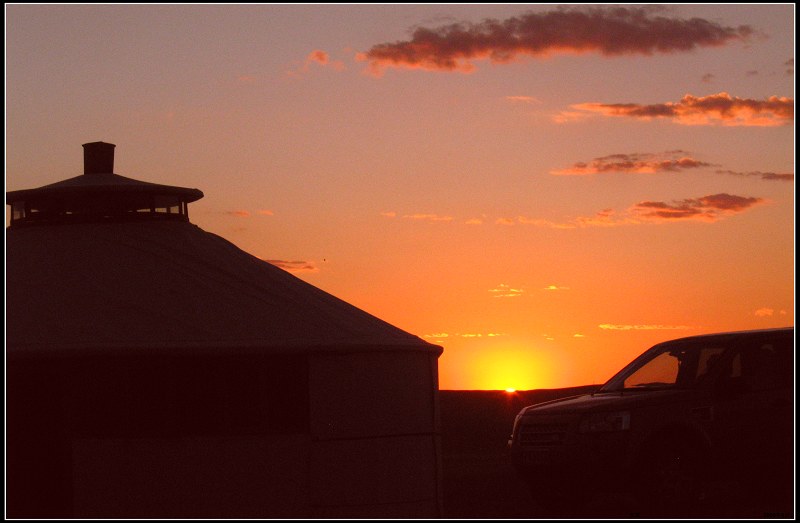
(683, 415)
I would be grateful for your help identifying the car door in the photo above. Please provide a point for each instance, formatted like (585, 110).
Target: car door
(753, 414)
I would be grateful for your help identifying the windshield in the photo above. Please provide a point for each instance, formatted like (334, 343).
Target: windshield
(666, 367)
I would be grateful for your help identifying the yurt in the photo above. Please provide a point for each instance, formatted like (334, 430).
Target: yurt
(155, 370)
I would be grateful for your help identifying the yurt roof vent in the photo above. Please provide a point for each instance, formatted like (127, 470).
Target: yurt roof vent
(98, 157)
(99, 195)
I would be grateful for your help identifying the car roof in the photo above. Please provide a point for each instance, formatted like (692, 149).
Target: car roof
(729, 334)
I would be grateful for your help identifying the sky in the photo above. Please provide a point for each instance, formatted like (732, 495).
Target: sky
(543, 190)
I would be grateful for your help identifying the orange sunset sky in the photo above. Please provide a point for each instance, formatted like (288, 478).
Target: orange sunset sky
(544, 190)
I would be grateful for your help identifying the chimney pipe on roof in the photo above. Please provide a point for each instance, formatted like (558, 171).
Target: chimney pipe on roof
(98, 157)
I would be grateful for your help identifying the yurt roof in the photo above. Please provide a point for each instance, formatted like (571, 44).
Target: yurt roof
(102, 182)
(169, 285)
(90, 264)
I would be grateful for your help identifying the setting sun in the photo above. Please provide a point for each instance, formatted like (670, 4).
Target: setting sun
(511, 368)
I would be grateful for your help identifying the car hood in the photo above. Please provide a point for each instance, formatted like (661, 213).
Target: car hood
(609, 401)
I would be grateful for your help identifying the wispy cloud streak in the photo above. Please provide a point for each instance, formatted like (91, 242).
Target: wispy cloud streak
(319, 58)
(294, 266)
(769, 176)
(604, 218)
(523, 99)
(609, 326)
(437, 337)
(241, 213)
(506, 291)
(638, 163)
(767, 311)
(428, 217)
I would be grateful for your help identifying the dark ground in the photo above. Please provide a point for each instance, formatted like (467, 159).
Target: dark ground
(479, 482)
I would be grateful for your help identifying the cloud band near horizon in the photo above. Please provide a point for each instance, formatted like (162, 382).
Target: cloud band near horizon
(626, 327)
(709, 208)
(609, 31)
(637, 163)
(769, 176)
(716, 109)
(706, 208)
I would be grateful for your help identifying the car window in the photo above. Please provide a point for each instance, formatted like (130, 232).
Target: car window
(763, 364)
(671, 366)
(708, 360)
(660, 371)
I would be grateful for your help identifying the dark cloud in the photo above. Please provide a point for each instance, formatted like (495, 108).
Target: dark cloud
(770, 176)
(707, 208)
(294, 266)
(610, 31)
(715, 109)
(670, 161)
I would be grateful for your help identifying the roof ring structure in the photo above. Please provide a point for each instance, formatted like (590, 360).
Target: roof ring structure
(99, 195)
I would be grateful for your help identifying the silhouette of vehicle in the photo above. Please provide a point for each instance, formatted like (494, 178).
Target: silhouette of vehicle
(685, 414)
